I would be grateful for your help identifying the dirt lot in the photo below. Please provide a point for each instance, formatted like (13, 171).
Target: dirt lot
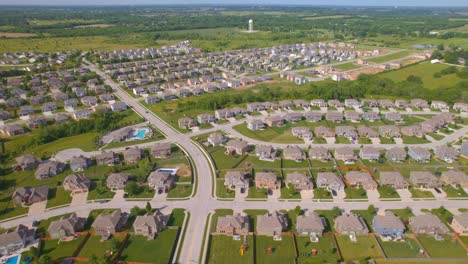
(16, 35)
(353, 75)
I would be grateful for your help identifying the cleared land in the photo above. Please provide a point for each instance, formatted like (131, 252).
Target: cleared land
(15, 35)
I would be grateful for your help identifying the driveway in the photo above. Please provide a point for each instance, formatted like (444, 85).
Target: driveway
(37, 208)
(274, 196)
(405, 194)
(373, 195)
(79, 198)
(307, 194)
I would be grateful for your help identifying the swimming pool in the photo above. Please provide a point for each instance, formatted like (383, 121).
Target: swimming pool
(168, 170)
(139, 134)
(13, 260)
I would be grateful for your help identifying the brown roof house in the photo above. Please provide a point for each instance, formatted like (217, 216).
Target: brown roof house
(265, 153)
(49, 169)
(216, 139)
(455, 178)
(294, 153)
(237, 147)
(396, 154)
(133, 155)
(236, 179)
(26, 162)
(351, 224)
(360, 178)
(427, 224)
(271, 224)
(160, 181)
(424, 179)
(76, 183)
(267, 180)
(324, 132)
(393, 179)
(345, 154)
(319, 153)
(117, 181)
(108, 158)
(330, 181)
(460, 224)
(419, 154)
(274, 120)
(390, 131)
(79, 163)
(333, 116)
(299, 181)
(161, 150)
(369, 153)
(186, 123)
(310, 224)
(108, 224)
(302, 132)
(65, 227)
(14, 240)
(233, 225)
(29, 195)
(150, 225)
(446, 153)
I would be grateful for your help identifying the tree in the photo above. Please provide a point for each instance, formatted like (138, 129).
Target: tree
(291, 190)
(148, 208)
(93, 259)
(298, 210)
(371, 209)
(44, 259)
(132, 188)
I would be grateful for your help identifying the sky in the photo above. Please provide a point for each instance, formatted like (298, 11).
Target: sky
(423, 3)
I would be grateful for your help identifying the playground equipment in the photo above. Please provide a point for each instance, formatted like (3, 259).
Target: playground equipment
(244, 247)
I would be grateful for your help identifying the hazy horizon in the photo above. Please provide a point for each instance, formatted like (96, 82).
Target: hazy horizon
(402, 3)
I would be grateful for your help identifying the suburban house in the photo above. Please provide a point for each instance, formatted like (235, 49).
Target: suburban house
(66, 226)
(216, 139)
(26, 162)
(412, 131)
(388, 225)
(419, 154)
(440, 105)
(161, 150)
(255, 124)
(118, 106)
(267, 180)
(29, 195)
(14, 240)
(454, 178)
(365, 131)
(389, 131)
(427, 224)
(419, 103)
(330, 181)
(108, 158)
(333, 116)
(109, 224)
(300, 181)
(319, 153)
(396, 154)
(150, 225)
(186, 123)
(313, 116)
(79, 163)
(345, 154)
(393, 179)
(160, 181)
(133, 155)
(362, 179)
(293, 117)
(12, 130)
(238, 147)
(424, 179)
(206, 119)
(324, 132)
(350, 224)
(49, 169)
(271, 224)
(81, 114)
(76, 183)
(302, 132)
(117, 181)
(369, 153)
(394, 116)
(274, 120)
(265, 153)
(352, 116)
(310, 224)
(294, 153)
(371, 116)
(236, 180)
(460, 224)
(233, 225)
(446, 153)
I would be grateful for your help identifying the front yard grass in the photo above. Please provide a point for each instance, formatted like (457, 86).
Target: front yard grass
(355, 193)
(387, 191)
(326, 250)
(418, 193)
(386, 140)
(58, 196)
(448, 248)
(159, 250)
(436, 136)
(58, 250)
(365, 247)
(322, 193)
(255, 193)
(403, 249)
(224, 249)
(453, 192)
(180, 191)
(94, 246)
(414, 140)
(281, 251)
(222, 191)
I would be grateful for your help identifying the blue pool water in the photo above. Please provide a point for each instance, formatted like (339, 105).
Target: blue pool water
(166, 170)
(12, 260)
(140, 133)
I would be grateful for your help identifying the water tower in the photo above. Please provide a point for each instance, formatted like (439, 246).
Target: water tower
(250, 25)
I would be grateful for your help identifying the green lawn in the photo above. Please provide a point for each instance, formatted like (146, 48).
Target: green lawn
(414, 140)
(364, 140)
(426, 72)
(322, 193)
(391, 57)
(271, 134)
(256, 163)
(281, 251)
(355, 193)
(223, 161)
(326, 250)
(435, 136)
(286, 194)
(347, 66)
(159, 250)
(404, 249)
(385, 140)
(363, 248)
(448, 248)
(454, 192)
(222, 191)
(58, 250)
(255, 193)
(94, 246)
(342, 140)
(417, 193)
(223, 249)
(329, 216)
(180, 191)
(404, 214)
(387, 191)
(291, 164)
(58, 196)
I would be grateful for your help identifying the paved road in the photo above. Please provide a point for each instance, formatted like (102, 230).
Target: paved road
(203, 202)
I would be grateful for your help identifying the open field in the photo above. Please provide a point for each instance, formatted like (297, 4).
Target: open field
(391, 57)
(16, 35)
(426, 72)
(140, 249)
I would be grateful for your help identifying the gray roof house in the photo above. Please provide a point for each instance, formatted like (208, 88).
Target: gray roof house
(419, 154)
(237, 147)
(424, 179)
(455, 178)
(76, 183)
(26, 162)
(236, 179)
(330, 181)
(161, 150)
(265, 153)
(365, 131)
(396, 154)
(313, 116)
(319, 153)
(348, 224)
(150, 225)
(79, 163)
(14, 240)
(255, 124)
(233, 225)
(294, 153)
(49, 169)
(300, 181)
(206, 119)
(302, 132)
(427, 224)
(133, 155)
(334, 116)
(216, 139)
(310, 224)
(446, 153)
(29, 195)
(186, 123)
(390, 131)
(271, 224)
(160, 181)
(66, 226)
(360, 178)
(117, 181)
(108, 158)
(369, 153)
(345, 154)
(108, 224)
(324, 132)
(393, 179)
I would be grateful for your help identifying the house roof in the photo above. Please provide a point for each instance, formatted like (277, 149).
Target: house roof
(310, 221)
(388, 220)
